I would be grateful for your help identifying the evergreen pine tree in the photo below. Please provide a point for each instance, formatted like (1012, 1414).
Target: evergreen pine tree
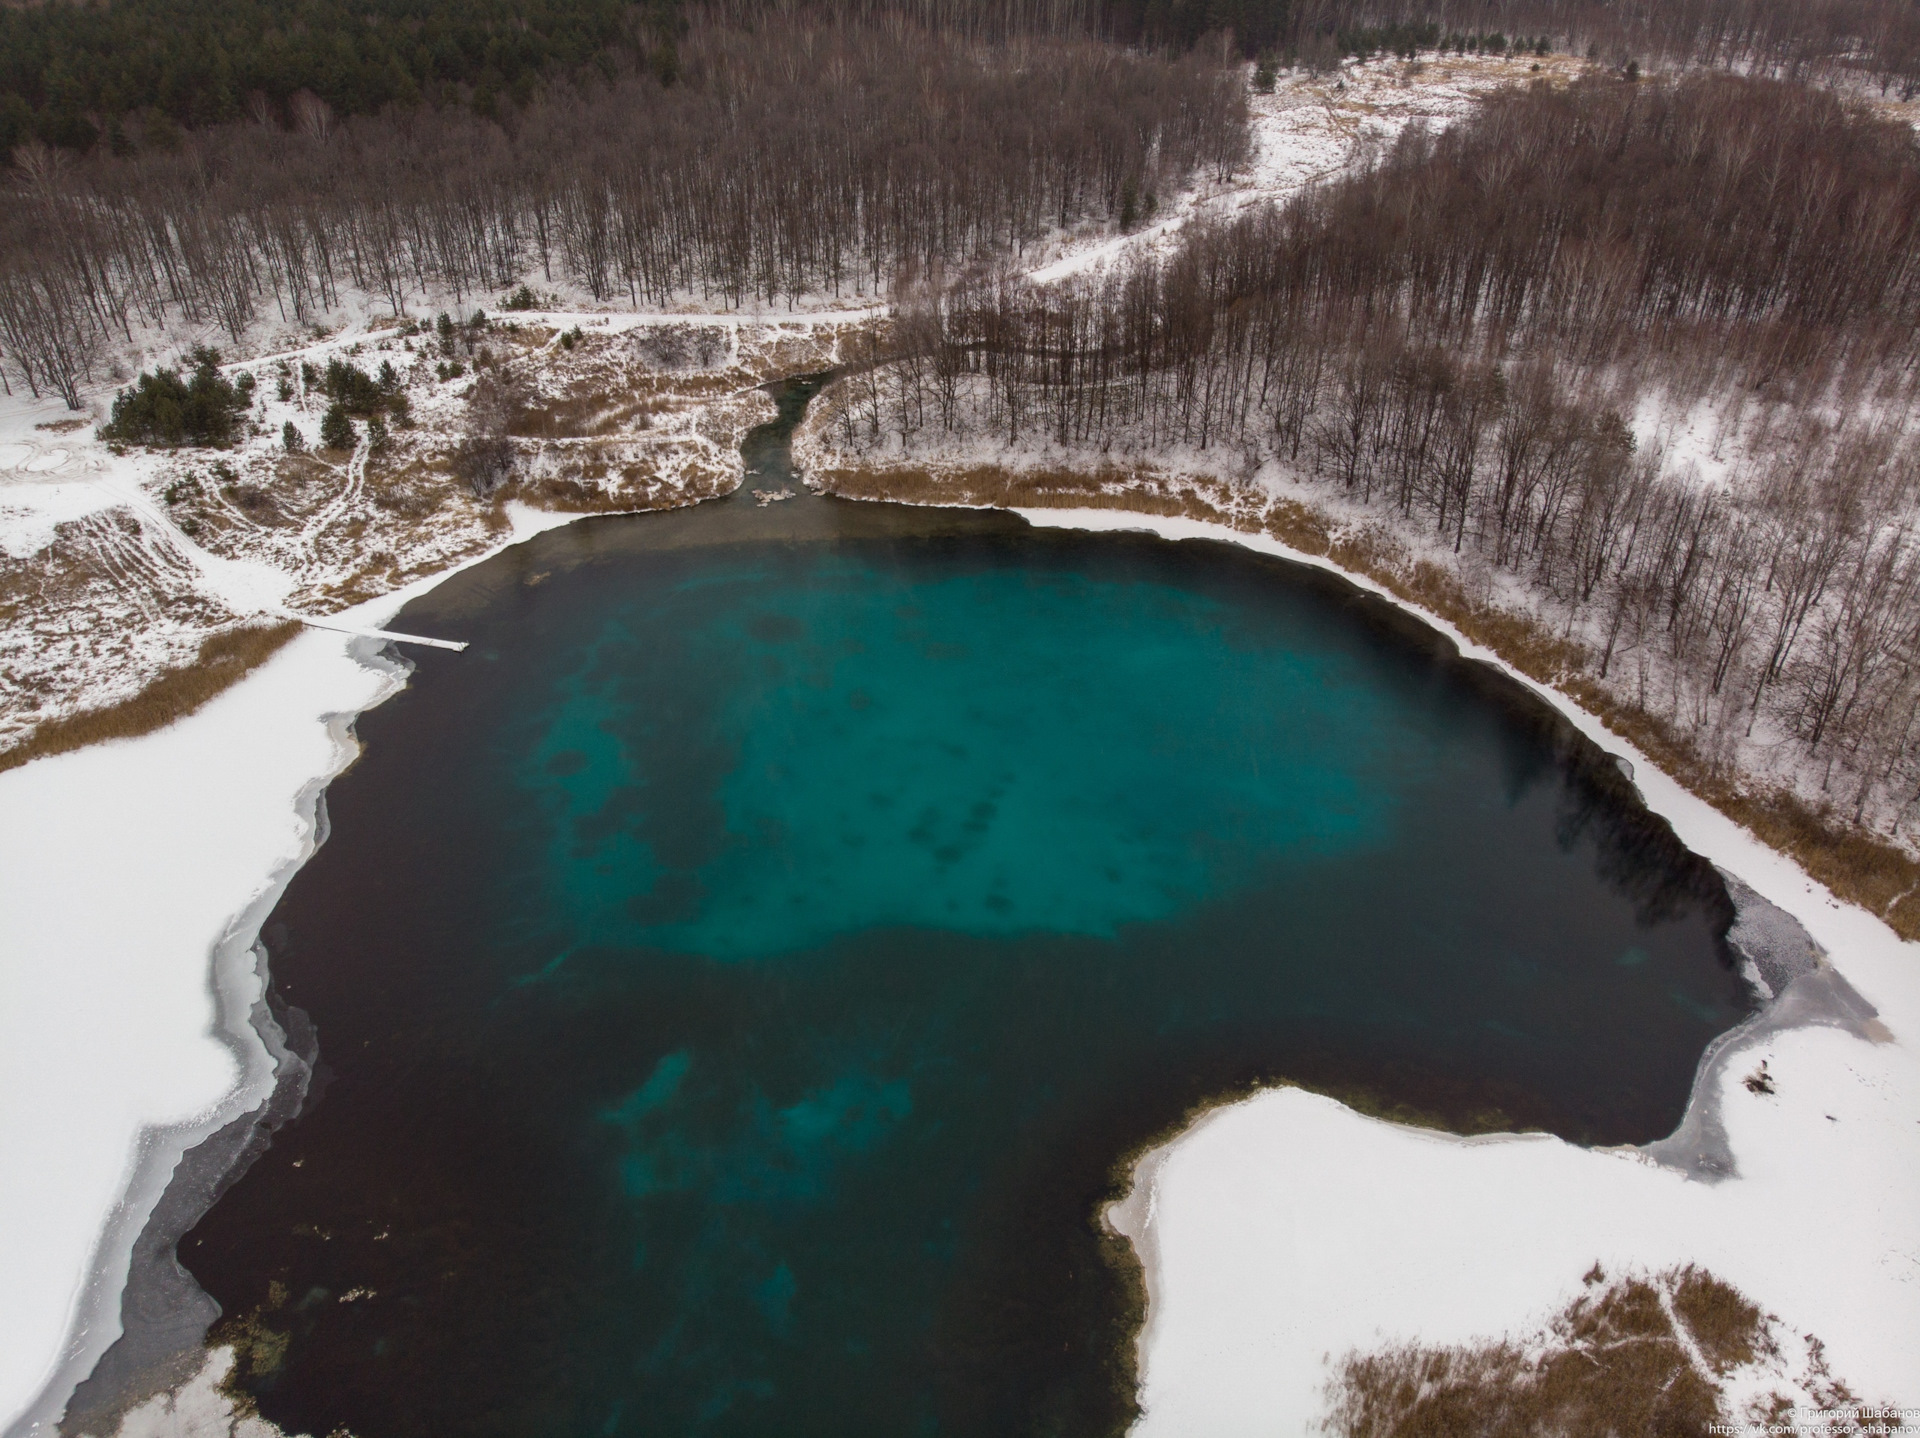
(336, 430)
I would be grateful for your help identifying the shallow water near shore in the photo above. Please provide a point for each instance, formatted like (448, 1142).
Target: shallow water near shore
(741, 975)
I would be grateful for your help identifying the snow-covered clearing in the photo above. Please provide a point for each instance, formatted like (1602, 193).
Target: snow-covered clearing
(122, 868)
(1311, 128)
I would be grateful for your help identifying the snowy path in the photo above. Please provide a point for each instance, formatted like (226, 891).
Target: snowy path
(1310, 129)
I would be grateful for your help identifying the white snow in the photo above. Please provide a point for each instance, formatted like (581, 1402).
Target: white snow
(1311, 128)
(122, 866)
(1286, 1230)
(198, 1409)
(30, 513)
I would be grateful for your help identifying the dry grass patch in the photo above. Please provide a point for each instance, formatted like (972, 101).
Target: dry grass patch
(304, 469)
(567, 495)
(1049, 488)
(1725, 1325)
(224, 660)
(1615, 1361)
(587, 411)
(413, 489)
(693, 384)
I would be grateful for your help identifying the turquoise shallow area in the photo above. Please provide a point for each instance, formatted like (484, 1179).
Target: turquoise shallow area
(741, 976)
(989, 751)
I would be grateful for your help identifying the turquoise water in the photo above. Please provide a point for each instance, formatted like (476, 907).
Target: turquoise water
(741, 975)
(917, 749)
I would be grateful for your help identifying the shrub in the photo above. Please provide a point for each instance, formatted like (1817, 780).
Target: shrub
(484, 458)
(678, 347)
(163, 410)
(483, 462)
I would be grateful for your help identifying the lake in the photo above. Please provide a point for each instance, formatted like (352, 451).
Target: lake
(744, 973)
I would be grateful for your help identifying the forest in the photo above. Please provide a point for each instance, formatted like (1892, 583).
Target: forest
(70, 72)
(1458, 337)
(790, 160)
(126, 75)
(1456, 340)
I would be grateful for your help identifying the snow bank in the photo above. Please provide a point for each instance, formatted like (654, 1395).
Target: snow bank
(122, 867)
(1283, 1231)
(1310, 129)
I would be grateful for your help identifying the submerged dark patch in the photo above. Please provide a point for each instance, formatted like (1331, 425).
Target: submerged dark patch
(743, 971)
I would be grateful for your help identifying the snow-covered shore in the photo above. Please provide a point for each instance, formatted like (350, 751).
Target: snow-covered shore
(1278, 1232)
(122, 868)
(1287, 1230)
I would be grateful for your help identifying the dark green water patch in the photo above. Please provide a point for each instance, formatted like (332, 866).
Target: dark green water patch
(738, 974)
(766, 451)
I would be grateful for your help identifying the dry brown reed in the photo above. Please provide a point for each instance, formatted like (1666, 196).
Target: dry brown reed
(588, 411)
(224, 660)
(1611, 1362)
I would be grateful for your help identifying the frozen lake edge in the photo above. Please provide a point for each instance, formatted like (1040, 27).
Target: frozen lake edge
(166, 1194)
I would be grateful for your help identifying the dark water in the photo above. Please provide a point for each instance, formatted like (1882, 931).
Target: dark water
(739, 974)
(767, 450)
